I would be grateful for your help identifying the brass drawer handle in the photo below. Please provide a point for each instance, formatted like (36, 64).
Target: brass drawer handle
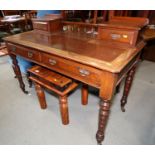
(30, 54)
(52, 62)
(13, 49)
(43, 23)
(84, 72)
(125, 36)
(115, 36)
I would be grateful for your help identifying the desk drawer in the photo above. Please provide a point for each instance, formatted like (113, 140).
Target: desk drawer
(24, 52)
(41, 25)
(119, 35)
(78, 71)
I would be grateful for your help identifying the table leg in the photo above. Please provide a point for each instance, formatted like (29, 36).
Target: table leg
(84, 94)
(64, 109)
(41, 96)
(18, 72)
(103, 117)
(127, 86)
(107, 90)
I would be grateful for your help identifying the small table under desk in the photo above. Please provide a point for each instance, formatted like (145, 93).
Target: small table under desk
(100, 60)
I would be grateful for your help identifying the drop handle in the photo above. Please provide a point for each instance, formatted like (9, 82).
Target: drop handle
(115, 36)
(84, 72)
(52, 61)
(30, 54)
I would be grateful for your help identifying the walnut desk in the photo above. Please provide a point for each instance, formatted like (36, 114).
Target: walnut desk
(81, 56)
(19, 21)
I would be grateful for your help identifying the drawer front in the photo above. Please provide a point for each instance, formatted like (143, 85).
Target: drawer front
(24, 52)
(80, 72)
(41, 25)
(124, 36)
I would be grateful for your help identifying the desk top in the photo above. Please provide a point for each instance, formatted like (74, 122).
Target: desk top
(81, 47)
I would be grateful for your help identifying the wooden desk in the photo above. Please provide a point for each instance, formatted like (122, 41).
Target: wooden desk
(99, 63)
(20, 21)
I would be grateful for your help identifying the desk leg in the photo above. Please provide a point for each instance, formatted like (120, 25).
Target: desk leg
(107, 90)
(18, 72)
(127, 86)
(103, 117)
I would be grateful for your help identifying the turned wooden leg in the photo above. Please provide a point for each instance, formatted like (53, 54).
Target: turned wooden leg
(84, 94)
(127, 86)
(18, 72)
(41, 96)
(103, 117)
(64, 109)
(29, 80)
